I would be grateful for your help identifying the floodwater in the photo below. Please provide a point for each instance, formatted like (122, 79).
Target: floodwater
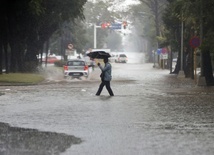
(152, 113)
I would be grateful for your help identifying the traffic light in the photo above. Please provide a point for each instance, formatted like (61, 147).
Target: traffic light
(124, 24)
(108, 24)
(105, 25)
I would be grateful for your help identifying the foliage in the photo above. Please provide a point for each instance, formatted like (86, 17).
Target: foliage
(97, 13)
(198, 21)
(21, 78)
(79, 35)
(59, 63)
(148, 25)
(149, 14)
(172, 24)
(143, 21)
(190, 14)
(208, 22)
(28, 24)
(72, 32)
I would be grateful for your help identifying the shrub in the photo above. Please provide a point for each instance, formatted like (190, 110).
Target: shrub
(59, 63)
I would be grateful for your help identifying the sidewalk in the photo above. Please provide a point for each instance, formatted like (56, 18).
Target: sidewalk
(187, 85)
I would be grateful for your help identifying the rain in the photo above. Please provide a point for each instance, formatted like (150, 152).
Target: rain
(153, 111)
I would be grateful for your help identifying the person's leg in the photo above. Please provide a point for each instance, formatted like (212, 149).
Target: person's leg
(108, 87)
(100, 88)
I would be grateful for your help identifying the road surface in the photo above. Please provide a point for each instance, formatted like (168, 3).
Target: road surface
(152, 113)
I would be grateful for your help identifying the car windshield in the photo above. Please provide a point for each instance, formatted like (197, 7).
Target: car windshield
(122, 55)
(76, 63)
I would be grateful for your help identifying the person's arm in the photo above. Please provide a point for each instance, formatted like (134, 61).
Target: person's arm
(99, 65)
(107, 67)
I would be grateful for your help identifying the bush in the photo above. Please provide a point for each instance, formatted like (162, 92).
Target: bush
(30, 66)
(60, 63)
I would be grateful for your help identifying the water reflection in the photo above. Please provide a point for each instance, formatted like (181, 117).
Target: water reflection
(20, 141)
(1, 93)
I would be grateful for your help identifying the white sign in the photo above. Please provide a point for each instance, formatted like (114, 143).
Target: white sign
(70, 46)
(70, 52)
(164, 56)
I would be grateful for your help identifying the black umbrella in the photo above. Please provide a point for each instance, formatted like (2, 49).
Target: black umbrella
(99, 55)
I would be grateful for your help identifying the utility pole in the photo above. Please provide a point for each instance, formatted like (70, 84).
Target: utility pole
(181, 72)
(156, 12)
(95, 35)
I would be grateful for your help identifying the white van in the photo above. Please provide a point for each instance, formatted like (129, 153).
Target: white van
(121, 58)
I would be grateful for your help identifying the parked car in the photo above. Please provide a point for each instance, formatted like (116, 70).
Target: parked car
(112, 58)
(76, 68)
(51, 59)
(90, 62)
(119, 58)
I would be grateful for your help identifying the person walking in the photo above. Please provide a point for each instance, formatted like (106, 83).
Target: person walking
(106, 77)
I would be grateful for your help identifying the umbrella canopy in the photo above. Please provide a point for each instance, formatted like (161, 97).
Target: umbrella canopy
(99, 55)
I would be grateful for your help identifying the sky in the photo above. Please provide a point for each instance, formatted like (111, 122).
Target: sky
(126, 3)
(122, 4)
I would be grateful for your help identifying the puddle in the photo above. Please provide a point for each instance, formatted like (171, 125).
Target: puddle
(21, 141)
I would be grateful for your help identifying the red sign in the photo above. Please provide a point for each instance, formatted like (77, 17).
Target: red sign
(195, 42)
(164, 51)
(70, 46)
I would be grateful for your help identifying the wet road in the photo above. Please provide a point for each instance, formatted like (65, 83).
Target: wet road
(152, 113)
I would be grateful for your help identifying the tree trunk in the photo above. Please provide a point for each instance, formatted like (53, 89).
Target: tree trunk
(12, 42)
(1, 55)
(30, 58)
(208, 71)
(13, 63)
(6, 58)
(188, 65)
(31, 61)
(20, 58)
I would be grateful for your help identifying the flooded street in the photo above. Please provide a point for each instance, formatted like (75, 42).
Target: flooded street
(152, 113)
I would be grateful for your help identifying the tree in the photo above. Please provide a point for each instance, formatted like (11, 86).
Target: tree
(191, 17)
(157, 7)
(79, 35)
(97, 13)
(143, 31)
(28, 24)
(148, 24)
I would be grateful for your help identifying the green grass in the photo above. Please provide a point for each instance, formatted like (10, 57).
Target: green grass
(21, 78)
